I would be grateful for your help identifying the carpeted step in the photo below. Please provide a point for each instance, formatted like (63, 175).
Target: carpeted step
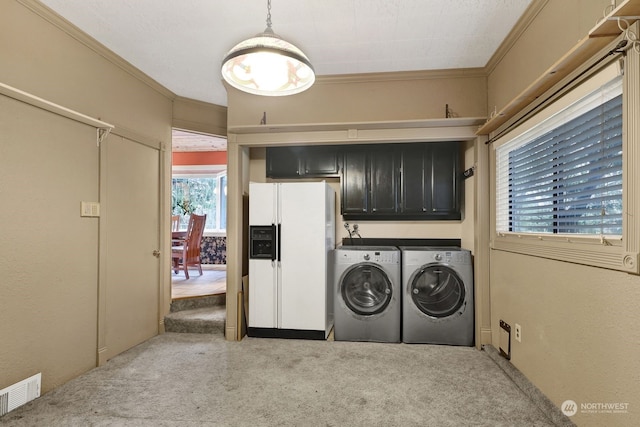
(203, 320)
(198, 302)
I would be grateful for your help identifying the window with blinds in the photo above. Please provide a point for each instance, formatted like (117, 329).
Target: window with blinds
(564, 175)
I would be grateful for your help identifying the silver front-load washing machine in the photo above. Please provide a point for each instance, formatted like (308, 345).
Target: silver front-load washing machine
(367, 300)
(438, 306)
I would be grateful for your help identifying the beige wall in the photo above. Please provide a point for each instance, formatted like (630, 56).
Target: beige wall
(377, 98)
(48, 308)
(580, 334)
(199, 116)
(554, 31)
(49, 255)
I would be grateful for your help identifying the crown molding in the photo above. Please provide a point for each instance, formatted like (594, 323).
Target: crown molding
(182, 121)
(402, 75)
(76, 33)
(200, 104)
(199, 127)
(514, 35)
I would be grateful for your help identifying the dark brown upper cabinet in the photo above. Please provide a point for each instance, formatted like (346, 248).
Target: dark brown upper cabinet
(369, 182)
(430, 180)
(302, 162)
(354, 191)
(416, 181)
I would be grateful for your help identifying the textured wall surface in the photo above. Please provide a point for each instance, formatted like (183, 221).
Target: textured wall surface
(579, 324)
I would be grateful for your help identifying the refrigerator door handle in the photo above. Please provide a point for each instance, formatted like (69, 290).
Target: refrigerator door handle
(274, 242)
(278, 244)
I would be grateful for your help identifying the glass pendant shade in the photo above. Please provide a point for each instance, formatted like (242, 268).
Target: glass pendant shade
(268, 65)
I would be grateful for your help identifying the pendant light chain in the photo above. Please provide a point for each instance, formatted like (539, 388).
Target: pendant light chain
(268, 13)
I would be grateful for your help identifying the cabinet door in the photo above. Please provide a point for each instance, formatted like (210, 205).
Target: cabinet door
(355, 194)
(384, 181)
(320, 161)
(413, 186)
(283, 162)
(444, 180)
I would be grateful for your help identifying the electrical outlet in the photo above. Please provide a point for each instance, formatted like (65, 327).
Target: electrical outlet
(518, 333)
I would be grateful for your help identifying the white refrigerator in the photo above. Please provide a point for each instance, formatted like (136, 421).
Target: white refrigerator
(291, 232)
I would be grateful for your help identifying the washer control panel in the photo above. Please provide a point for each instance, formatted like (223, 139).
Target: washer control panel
(376, 256)
(381, 257)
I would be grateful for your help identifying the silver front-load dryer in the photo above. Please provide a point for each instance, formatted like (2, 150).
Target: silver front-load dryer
(367, 300)
(438, 306)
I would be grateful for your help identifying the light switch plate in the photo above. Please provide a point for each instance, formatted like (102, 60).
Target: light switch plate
(90, 209)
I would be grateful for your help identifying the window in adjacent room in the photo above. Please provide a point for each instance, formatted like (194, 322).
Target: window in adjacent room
(201, 194)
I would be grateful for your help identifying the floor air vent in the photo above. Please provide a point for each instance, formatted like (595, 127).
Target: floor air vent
(20, 393)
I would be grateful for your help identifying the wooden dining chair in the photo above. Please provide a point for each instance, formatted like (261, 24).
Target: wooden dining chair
(186, 253)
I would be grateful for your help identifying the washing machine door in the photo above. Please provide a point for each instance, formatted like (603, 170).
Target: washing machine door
(437, 291)
(366, 289)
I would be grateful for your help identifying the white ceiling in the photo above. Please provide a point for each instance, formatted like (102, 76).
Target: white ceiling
(181, 43)
(189, 141)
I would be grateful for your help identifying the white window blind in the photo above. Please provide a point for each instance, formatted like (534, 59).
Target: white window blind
(564, 175)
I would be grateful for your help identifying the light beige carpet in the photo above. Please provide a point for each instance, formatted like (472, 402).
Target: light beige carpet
(203, 380)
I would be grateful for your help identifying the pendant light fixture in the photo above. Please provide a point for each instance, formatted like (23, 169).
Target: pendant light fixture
(268, 65)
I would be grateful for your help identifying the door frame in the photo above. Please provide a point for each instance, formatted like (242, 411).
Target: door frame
(164, 238)
(241, 138)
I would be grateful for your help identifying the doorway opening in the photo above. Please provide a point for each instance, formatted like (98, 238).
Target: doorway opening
(199, 186)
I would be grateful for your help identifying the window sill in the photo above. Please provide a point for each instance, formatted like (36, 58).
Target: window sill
(592, 251)
(215, 233)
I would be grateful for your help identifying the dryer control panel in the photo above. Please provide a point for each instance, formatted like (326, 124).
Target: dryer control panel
(457, 257)
(444, 255)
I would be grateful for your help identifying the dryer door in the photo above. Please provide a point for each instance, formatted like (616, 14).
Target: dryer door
(437, 290)
(366, 289)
